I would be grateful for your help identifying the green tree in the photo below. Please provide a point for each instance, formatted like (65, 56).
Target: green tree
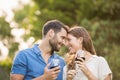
(100, 17)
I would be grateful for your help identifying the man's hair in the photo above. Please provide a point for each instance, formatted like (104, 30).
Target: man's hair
(55, 25)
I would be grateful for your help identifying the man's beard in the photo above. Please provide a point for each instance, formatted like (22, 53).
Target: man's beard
(54, 44)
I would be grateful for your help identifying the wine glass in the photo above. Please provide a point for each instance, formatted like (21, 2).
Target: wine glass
(54, 63)
(80, 54)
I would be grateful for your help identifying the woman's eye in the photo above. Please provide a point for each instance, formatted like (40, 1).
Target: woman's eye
(68, 39)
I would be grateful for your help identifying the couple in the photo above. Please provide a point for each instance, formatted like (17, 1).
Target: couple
(33, 63)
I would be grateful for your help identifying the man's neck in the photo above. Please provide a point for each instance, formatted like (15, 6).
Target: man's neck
(46, 50)
(45, 47)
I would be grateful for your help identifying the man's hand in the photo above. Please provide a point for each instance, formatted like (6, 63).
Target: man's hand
(49, 74)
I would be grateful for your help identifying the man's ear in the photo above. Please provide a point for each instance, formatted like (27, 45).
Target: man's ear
(51, 33)
(80, 40)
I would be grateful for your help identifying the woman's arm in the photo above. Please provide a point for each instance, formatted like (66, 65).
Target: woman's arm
(108, 77)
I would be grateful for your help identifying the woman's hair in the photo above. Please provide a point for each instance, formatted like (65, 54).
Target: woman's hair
(78, 31)
(69, 59)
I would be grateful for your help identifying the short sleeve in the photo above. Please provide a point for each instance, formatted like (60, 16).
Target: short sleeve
(19, 64)
(103, 68)
(65, 73)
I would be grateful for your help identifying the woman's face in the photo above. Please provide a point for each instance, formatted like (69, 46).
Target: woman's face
(73, 43)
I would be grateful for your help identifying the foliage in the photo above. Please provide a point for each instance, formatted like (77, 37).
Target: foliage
(5, 67)
(4, 29)
(6, 37)
(27, 19)
(8, 41)
(113, 60)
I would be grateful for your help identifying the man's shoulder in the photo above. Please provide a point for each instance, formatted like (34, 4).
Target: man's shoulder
(24, 51)
(30, 49)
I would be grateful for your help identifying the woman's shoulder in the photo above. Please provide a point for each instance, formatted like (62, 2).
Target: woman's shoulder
(99, 59)
(103, 67)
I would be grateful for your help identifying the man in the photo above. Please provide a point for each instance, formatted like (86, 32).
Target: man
(33, 63)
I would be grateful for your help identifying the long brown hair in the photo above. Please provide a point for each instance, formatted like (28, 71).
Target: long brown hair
(87, 44)
(78, 31)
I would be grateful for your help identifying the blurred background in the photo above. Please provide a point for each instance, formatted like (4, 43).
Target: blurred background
(21, 24)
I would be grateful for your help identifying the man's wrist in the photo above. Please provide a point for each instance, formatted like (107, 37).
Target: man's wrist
(43, 77)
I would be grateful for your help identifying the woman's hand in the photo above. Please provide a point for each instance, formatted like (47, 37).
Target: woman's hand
(71, 74)
(82, 66)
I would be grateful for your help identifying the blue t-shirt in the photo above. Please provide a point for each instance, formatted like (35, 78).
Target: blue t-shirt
(30, 63)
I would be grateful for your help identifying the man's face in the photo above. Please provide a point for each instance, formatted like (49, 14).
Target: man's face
(58, 40)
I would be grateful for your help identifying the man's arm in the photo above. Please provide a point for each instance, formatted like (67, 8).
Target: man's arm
(40, 78)
(16, 77)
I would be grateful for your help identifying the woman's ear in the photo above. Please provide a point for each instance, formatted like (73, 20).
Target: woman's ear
(51, 33)
(80, 40)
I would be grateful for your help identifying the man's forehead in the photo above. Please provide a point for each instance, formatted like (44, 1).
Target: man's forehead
(63, 32)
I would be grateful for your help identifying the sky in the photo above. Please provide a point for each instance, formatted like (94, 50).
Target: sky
(7, 6)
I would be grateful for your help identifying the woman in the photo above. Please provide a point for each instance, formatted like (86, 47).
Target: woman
(91, 67)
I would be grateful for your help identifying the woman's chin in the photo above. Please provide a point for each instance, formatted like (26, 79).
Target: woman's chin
(71, 51)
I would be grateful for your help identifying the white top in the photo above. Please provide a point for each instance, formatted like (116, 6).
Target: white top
(97, 65)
